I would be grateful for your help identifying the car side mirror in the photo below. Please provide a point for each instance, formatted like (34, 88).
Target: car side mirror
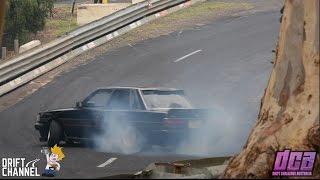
(79, 104)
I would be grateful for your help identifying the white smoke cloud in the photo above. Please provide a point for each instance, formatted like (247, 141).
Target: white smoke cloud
(220, 135)
(216, 137)
(119, 136)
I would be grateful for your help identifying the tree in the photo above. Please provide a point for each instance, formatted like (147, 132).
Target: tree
(24, 17)
(3, 6)
(289, 112)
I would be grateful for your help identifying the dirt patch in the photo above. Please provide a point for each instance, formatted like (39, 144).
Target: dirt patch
(196, 15)
(61, 21)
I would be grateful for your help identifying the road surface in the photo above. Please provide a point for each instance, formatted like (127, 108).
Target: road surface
(225, 64)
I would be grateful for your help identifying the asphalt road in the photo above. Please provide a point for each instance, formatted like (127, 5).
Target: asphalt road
(225, 64)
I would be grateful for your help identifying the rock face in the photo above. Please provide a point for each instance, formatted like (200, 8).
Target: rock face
(289, 112)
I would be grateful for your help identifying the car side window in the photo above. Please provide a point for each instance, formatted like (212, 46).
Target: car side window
(136, 102)
(98, 99)
(120, 100)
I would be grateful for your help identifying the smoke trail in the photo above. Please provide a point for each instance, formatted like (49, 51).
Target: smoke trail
(216, 137)
(118, 136)
(220, 135)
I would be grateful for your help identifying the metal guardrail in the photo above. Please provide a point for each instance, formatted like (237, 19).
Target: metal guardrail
(30, 60)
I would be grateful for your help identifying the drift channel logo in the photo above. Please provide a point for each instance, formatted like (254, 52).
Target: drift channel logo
(294, 163)
(18, 167)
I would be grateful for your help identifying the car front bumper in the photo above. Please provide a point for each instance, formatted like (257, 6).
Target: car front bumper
(43, 130)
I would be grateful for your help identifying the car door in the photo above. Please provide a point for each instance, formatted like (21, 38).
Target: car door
(142, 119)
(81, 122)
(127, 119)
(126, 107)
(117, 108)
(132, 112)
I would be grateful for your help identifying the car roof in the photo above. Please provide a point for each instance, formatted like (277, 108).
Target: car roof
(140, 88)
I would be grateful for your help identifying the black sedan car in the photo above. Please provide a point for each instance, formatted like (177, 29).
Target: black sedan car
(162, 115)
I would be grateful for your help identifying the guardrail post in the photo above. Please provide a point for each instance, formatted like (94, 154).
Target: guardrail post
(3, 53)
(16, 46)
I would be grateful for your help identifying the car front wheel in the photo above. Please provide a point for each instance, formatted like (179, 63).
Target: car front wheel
(54, 134)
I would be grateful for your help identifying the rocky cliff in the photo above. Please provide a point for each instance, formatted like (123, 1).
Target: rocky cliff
(289, 112)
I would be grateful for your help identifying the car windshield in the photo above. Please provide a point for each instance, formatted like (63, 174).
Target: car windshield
(165, 99)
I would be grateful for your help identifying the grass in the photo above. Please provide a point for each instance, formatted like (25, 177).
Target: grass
(206, 8)
(200, 13)
(60, 27)
(62, 21)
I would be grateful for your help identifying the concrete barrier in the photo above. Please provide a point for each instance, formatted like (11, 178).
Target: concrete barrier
(136, 1)
(169, 171)
(29, 45)
(90, 12)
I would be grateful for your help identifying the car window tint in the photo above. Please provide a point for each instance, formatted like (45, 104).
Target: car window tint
(136, 101)
(165, 99)
(120, 100)
(99, 99)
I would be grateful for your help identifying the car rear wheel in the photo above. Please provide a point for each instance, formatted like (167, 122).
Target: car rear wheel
(55, 134)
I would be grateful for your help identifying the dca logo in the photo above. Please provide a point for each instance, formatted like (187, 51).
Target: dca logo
(294, 163)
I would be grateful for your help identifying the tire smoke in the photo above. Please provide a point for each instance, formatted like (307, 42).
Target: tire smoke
(118, 136)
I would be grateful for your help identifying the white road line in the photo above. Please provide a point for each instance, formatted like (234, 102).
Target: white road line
(109, 161)
(190, 54)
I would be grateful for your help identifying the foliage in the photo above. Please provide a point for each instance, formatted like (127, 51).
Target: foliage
(25, 17)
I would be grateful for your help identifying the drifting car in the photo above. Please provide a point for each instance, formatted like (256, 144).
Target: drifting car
(163, 115)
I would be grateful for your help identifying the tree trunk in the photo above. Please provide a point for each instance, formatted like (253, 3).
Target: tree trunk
(3, 5)
(289, 112)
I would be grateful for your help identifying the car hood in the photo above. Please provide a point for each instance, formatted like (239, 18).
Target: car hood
(58, 110)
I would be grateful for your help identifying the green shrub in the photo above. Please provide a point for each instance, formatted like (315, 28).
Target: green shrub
(24, 18)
